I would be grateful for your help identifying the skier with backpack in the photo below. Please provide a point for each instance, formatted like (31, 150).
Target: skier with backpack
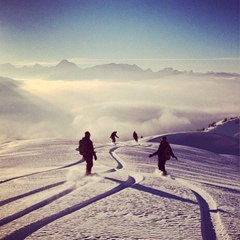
(87, 151)
(164, 153)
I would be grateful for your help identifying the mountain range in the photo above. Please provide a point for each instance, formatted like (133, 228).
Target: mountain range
(66, 70)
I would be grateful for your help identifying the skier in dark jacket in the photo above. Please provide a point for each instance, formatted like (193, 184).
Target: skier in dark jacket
(135, 136)
(114, 136)
(164, 153)
(86, 149)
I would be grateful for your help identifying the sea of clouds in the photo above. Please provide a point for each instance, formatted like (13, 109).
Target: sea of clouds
(66, 109)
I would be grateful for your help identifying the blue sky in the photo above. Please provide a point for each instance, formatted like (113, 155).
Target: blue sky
(199, 35)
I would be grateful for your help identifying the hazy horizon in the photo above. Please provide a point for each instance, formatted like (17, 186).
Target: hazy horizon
(185, 35)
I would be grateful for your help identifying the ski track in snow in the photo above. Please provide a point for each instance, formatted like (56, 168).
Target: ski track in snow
(9, 200)
(207, 206)
(37, 205)
(26, 231)
(205, 201)
(208, 210)
(48, 170)
(210, 217)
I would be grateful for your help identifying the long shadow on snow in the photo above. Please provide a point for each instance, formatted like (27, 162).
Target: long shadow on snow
(231, 190)
(37, 206)
(49, 170)
(26, 231)
(207, 229)
(12, 199)
(155, 192)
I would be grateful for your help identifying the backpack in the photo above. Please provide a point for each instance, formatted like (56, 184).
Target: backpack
(167, 153)
(83, 149)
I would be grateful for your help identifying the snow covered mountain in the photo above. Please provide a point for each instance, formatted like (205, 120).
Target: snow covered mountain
(229, 127)
(65, 65)
(66, 70)
(222, 138)
(45, 195)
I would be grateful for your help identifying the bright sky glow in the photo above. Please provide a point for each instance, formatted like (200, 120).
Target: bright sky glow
(186, 35)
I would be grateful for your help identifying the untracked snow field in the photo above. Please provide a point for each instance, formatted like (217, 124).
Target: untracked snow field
(44, 194)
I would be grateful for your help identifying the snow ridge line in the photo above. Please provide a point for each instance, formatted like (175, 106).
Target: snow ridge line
(26, 231)
(207, 206)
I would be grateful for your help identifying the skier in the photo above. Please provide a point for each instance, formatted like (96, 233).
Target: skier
(164, 153)
(135, 136)
(86, 149)
(114, 136)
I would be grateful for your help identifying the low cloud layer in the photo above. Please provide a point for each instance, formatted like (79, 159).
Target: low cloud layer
(24, 115)
(66, 109)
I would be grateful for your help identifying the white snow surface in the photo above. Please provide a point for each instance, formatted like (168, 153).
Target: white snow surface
(44, 194)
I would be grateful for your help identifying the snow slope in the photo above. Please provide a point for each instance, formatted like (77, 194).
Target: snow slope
(228, 128)
(44, 194)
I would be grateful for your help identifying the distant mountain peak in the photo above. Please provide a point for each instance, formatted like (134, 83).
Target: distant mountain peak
(7, 67)
(66, 64)
(167, 70)
(37, 66)
(149, 70)
(118, 67)
(64, 61)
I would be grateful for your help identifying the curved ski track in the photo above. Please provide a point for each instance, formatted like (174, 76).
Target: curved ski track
(44, 171)
(48, 170)
(207, 205)
(208, 211)
(27, 230)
